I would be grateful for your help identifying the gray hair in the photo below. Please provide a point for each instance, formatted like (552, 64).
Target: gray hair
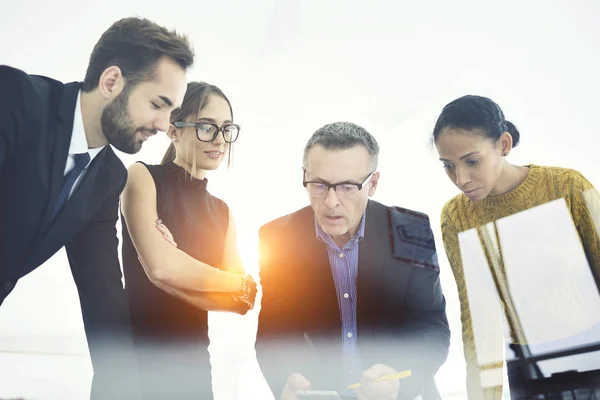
(341, 136)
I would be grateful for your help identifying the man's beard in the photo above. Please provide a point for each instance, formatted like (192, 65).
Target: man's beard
(118, 126)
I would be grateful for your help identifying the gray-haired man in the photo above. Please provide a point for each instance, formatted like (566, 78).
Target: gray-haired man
(351, 288)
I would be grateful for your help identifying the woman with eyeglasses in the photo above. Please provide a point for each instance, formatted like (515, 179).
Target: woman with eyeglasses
(180, 255)
(473, 140)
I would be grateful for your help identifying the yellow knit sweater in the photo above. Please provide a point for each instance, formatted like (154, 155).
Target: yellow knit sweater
(543, 184)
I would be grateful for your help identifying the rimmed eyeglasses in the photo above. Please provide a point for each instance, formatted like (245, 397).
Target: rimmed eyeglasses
(344, 190)
(207, 132)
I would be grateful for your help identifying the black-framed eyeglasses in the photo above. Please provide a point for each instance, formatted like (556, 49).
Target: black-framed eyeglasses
(344, 190)
(207, 132)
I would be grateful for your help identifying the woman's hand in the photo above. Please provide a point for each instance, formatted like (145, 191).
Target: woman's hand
(165, 232)
(249, 290)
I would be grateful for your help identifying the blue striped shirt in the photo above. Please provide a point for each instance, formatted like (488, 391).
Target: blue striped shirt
(344, 268)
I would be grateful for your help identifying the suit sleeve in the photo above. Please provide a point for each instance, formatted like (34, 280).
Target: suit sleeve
(7, 128)
(426, 331)
(7, 132)
(273, 283)
(269, 318)
(93, 256)
(15, 89)
(424, 336)
(279, 339)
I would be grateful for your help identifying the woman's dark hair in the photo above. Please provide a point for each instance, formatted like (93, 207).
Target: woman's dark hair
(478, 114)
(194, 100)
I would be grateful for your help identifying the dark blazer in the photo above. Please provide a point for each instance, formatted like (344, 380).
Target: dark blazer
(401, 318)
(36, 123)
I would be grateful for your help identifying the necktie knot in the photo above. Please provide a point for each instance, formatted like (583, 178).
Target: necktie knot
(82, 160)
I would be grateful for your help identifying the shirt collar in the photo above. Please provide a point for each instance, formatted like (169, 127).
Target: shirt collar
(79, 142)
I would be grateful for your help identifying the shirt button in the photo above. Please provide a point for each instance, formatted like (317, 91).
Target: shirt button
(341, 255)
(8, 286)
(346, 295)
(349, 334)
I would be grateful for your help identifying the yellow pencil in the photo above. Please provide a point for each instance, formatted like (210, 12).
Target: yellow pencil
(388, 377)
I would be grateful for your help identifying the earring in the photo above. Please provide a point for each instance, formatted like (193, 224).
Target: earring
(505, 153)
(174, 140)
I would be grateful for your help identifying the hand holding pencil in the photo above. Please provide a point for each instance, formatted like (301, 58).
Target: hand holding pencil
(379, 382)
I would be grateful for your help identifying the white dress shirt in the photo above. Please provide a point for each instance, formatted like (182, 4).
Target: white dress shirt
(79, 144)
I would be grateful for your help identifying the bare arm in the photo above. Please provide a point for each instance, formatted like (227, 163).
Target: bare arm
(166, 266)
(211, 301)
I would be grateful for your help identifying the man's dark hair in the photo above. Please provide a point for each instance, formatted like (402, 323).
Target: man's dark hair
(135, 45)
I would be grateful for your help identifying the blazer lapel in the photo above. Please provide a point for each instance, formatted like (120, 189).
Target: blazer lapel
(372, 256)
(60, 150)
(317, 269)
(85, 201)
(319, 304)
(87, 197)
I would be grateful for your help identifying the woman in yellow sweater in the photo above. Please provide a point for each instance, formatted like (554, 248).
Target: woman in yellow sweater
(473, 140)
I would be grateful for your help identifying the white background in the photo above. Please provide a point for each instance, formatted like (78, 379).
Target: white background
(289, 67)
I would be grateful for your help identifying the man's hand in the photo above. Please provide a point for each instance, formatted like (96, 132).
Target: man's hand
(165, 232)
(370, 389)
(294, 383)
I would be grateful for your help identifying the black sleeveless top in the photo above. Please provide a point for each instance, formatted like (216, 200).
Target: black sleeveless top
(198, 222)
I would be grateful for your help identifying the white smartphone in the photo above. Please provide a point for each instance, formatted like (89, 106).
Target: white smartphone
(318, 395)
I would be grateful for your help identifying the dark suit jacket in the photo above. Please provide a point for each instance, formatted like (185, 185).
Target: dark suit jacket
(36, 123)
(401, 318)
